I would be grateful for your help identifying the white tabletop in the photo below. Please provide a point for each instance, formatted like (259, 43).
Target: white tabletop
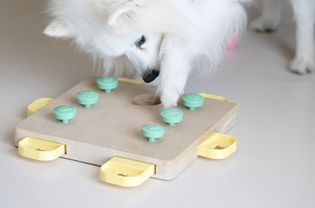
(273, 167)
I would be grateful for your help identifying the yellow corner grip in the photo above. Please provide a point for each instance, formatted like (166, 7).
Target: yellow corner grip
(125, 172)
(37, 105)
(214, 97)
(41, 150)
(132, 81)
(217, 146)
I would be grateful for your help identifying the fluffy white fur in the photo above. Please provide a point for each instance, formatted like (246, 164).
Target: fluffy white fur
(181, 35)
(304, 11)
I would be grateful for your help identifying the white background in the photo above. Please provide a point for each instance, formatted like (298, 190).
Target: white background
(273, 167)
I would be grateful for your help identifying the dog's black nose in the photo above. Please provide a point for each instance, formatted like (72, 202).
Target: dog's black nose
(150, 76)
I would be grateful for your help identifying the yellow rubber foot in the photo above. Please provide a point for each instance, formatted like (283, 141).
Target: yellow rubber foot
(217, 146)
(42, 150)
(37, 105)
(125, 172)
(214, 97)
(131, 81)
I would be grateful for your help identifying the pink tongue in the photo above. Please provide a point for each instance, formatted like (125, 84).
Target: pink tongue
(232, 43)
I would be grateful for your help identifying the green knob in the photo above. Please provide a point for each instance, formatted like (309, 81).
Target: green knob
(87, 98)
(193, 101)
(107, 84)
(65, 113)
(172, 116)
(152, 132)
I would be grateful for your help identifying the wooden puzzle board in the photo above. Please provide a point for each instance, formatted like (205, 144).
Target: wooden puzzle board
(112, 128)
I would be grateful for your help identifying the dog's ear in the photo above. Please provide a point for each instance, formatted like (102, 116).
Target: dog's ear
(123, 10)
(58, 29)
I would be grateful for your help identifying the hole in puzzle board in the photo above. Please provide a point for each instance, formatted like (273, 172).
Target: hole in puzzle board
(146, 100)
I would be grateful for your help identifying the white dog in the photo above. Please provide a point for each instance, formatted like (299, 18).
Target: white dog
(166, 38)
(304, 11)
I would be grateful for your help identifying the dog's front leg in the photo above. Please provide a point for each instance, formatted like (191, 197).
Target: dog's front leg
(270, 17)
(304, 59)
(175, 68)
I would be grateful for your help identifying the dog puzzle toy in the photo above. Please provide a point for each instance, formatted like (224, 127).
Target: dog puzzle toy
(107, 84)
(87, 98)
(172, 116)
(152, 132)
(193, 101)
(115, 138)
(65, 113)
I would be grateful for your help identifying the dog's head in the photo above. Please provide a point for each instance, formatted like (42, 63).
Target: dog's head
(111, 29)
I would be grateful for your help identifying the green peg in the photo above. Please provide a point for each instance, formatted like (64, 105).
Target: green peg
(193, 101)
(107, 84)
(65, 113)
(172, 116)
(87, 98)
(152, 132)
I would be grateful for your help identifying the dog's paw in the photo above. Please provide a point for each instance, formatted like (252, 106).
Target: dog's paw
(169, 99)
(301, 65)
(263, 25)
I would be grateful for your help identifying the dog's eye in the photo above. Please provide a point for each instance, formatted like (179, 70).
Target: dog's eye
(140, 41)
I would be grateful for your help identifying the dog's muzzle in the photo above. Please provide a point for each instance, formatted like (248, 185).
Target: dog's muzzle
(150, 76)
